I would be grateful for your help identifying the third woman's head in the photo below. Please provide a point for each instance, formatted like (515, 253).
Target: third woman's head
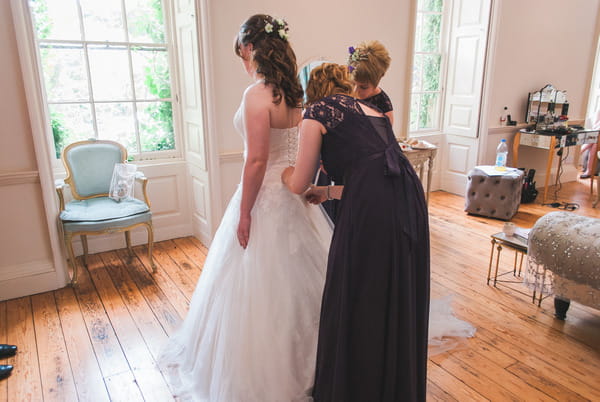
(263, 45)
(368, 63)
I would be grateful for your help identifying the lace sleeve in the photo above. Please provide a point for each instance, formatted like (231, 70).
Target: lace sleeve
(325, 112)
(385, 102)
(382, 101)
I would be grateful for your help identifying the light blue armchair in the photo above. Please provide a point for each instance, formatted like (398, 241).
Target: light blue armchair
(89, 166)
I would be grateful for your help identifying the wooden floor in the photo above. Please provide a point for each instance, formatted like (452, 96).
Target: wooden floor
(99, 341)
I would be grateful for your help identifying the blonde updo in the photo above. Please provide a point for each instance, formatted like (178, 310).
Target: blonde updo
(368, 62)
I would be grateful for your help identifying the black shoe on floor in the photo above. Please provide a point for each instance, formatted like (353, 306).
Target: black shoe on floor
(5, 370)
(7, 350)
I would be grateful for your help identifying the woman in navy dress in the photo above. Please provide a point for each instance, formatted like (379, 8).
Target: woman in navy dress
(374, 317)
(367, 64)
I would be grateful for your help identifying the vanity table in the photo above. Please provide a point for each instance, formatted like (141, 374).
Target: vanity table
(418, 159)
(547, 111)
(552, 141)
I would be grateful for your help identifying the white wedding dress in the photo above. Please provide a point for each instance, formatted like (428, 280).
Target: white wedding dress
(251, 331)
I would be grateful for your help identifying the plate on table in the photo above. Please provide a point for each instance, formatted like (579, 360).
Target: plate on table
(423, 145)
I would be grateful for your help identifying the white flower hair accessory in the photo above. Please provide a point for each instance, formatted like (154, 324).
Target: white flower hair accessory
(279, 27)
(355, 55)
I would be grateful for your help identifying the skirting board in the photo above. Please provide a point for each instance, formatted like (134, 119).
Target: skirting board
(26, 270)
(30, 285)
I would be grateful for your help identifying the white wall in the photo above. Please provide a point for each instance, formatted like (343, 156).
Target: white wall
(318, 29)
(539, 42)
(25, 251)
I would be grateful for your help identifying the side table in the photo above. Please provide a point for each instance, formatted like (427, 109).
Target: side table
(418, 158)
(516, 243)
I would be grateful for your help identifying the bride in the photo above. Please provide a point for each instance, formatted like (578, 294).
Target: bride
(251, 330)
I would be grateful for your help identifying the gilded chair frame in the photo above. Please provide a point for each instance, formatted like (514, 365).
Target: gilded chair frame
(68, 236)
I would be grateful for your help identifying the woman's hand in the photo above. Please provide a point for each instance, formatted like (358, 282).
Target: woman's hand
(243, 231)
(316, 195)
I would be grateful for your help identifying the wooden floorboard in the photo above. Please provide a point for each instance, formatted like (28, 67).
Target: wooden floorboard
(89, 381)
(135, 349)
(55, 369)
(25, 383)
(101, 340)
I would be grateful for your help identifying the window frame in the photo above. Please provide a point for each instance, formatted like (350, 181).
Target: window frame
(33, 45)
(444, 45)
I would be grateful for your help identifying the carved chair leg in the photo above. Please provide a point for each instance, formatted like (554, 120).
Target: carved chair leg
(151, 245)
(71, 254)
(84, 243)
(128, 242)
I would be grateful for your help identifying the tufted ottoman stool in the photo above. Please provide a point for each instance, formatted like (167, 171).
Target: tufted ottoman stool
(493, 194)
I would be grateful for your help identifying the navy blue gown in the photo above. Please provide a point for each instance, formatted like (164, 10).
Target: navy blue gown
(381, 102)
(374, 316)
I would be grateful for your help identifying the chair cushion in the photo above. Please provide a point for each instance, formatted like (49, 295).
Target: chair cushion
(101, 209)
(111, 225)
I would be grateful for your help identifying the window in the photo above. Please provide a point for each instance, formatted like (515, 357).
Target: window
(106, 72)
(426, 92)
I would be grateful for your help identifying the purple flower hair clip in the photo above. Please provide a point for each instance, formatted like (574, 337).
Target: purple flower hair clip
(351, 68)
(355, 55)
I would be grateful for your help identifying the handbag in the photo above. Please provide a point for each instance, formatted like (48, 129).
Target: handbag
(122, 182)
(529, 192)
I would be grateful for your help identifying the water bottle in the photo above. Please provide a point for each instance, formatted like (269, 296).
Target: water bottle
(501, 155)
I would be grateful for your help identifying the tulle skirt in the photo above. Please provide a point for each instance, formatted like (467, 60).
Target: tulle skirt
(251, 330)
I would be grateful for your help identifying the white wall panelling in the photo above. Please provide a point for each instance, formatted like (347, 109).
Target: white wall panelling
(44, 191)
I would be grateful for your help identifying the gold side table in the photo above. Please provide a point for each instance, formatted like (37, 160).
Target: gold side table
(516, 243)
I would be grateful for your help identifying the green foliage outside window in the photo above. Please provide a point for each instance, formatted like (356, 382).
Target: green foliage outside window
(432, 24)
(59, 133)
(428, 60)
(155, 118)
(148, 21)
(431, 5)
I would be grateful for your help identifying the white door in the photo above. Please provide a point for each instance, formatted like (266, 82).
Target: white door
(193, 128)
(468, 31)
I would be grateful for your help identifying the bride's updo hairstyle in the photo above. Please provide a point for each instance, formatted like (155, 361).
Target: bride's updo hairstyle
(326, 80)
(273, 56)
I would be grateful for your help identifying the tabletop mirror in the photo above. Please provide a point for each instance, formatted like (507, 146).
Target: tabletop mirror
(304, 72)
(547, 108)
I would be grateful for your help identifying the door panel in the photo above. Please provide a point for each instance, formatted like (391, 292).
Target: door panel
(187, 32)
(468, 35)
